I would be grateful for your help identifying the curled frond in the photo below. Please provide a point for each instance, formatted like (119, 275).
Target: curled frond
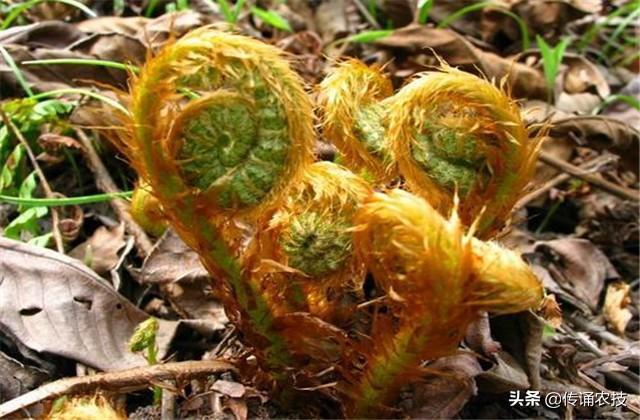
(311, 233)
(422, 260)
(352, 103)
(146, 210)
(503, 282)
(436, 278)
(452, 131)
(223, 119)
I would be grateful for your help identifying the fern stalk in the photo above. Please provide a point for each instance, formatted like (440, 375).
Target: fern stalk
(229, 149)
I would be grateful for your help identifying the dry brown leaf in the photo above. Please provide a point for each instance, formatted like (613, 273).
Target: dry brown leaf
(16, 378)
(54, 304)
(548, 18)
(100, 251)
(442, 395)
(229, 388)
(615, 306)
(602, 133)
(579, 267)
(119, 39)
(238, 407)
(479, 339)
(172, 260)
(550, 311)
(331, 20)
(506, 375)
(184, 281)
(581, 75)
(457, 51)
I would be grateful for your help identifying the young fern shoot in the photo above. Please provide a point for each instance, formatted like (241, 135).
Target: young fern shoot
(437, 279)
(220, 128)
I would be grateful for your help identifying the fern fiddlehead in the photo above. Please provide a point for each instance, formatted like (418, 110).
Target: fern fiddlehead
(446, 132)
(435, 284)
(452, 131)
(352, 98)
(222, 132)
(311, 232)
(146, 210)
(221, 126)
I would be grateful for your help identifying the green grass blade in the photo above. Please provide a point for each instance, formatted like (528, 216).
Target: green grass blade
(151, 7)
(632, 17)
(424, 9)
(238, 9)
(21, 8)
(369, 36)
(68, 91)
(461, 12)
(591, 33)
(272, 18)
(522, 25)
(16, 71)
(84, 61)
(66, 201)
(225, 9)
(629, 100)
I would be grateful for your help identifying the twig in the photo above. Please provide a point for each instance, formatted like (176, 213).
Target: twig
(55, 216)
(597, 331)
(624, 193)
(118, 382)
(168, 405)
(105, 183)
(593, 165)
(365, 12)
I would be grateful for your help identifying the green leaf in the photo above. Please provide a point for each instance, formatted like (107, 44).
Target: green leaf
(50, 110)
(271, 18)
(551, 59)
(151, 7)
(8, 173)
(27, 221)
(370, 36)
(79, 91)
(5, 144)
(42, 240)
(225, 9)
(548, 331)
(26, 188)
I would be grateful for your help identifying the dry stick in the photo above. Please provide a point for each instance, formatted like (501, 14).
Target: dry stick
(55, 216)
(593, 165)
(121, 207)
(624, 193)
(365, 12)
(118, 382)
